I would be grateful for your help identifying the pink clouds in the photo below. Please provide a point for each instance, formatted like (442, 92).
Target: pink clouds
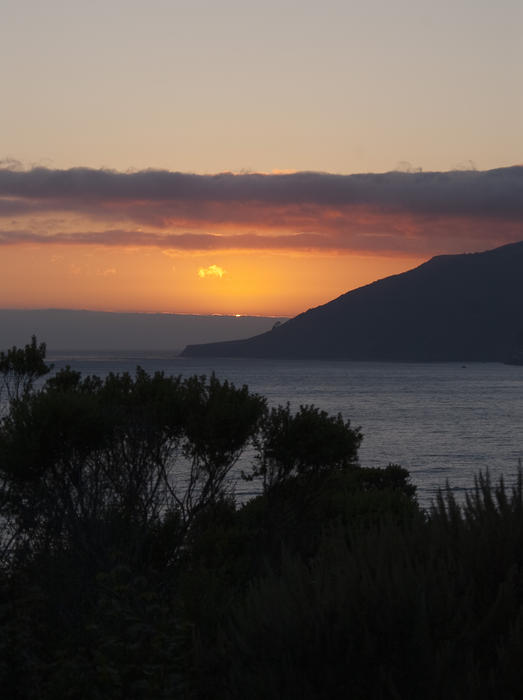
(397, 212)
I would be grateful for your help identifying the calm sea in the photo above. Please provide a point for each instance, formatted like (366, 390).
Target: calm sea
(441, 421)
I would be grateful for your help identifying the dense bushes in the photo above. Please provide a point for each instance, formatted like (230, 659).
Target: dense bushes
(428, 608)
(87, 461)
(129, 570)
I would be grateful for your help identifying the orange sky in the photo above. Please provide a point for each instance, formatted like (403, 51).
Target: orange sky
(130, 279)
(300, 91)
(235, 244)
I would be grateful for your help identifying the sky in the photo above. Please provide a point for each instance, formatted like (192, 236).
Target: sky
(250, 158)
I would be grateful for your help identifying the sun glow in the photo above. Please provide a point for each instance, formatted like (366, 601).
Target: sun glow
(211, 271)
(114, 279)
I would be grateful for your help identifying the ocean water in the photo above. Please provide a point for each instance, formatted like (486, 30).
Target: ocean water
(442, 421)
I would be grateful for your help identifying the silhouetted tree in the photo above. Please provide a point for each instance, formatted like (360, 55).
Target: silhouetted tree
(86, 457)
(20, 368)
(309, 441)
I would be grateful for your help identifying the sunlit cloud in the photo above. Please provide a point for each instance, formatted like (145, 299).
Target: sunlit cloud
(211, 271)
(397, 212)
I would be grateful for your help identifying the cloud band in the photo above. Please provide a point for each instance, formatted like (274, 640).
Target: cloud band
(394, 212)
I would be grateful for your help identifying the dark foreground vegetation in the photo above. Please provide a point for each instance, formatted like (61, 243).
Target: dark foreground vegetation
(129, 570)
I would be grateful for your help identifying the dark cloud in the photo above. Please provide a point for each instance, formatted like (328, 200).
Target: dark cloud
(468, 193)
(409, 212)
(394, 240)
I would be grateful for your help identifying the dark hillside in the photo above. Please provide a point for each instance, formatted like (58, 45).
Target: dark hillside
(454, 307)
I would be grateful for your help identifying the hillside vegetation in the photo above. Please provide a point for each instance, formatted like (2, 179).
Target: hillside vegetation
(129, 570)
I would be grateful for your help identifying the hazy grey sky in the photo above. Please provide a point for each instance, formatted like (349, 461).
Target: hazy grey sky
(207, 86)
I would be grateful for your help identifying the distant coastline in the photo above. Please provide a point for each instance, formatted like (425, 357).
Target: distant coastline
(84, 330)
(452, 308)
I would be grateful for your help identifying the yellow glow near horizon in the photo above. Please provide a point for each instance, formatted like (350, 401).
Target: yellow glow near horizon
(145, 280)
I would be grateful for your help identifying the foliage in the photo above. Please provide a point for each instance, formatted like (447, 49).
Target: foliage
(431, 607)
(219, 422)
(307, 441)
(20, 368)
(130, 571)
(91, 460)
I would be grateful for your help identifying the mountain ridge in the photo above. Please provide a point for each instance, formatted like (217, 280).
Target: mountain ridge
(466, 307)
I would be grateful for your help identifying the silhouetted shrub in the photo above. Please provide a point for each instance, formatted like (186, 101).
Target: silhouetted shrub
(20, 368)
(425, 607)
(128, 570)
(308, 441)
(88, 462)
